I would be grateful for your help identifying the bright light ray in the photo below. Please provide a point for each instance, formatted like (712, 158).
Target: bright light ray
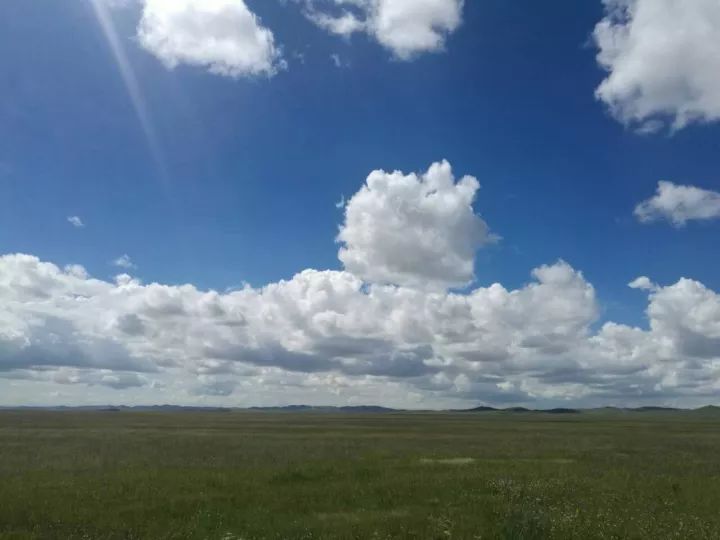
(131, 84)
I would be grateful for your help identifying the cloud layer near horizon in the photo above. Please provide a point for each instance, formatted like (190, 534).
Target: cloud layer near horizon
(397, 337)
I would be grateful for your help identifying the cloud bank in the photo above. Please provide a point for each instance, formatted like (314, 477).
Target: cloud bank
(397, 337)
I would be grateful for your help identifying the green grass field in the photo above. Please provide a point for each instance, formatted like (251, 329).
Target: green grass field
(123, 475)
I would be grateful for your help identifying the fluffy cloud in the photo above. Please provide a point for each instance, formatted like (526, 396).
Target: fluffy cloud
(355, 336)
(679, 204)
(222, 35)
(330, 333)
(662, 58)
(688, 314)
(406, 27)
(317, 322)
(642, 283)
(413, 230)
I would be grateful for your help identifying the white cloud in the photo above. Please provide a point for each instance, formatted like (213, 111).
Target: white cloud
(222, 35)
(344, 25)
(679, 204)
(406, 27)
(339, 337)
(662, 58)
(414, 230)
(689, 311)
(642, 283)
(329, 334)
(124, 261)
(76, 222)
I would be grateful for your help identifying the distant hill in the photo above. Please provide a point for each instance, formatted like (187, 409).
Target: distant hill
(371, 409)
(326, 409)
(518, 410)
(120, 408)
(477, 409)
(368, 409)
(708, 410)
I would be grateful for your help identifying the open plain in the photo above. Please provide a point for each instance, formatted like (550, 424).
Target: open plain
(256, 475)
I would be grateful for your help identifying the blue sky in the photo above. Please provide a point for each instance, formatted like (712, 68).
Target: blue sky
(243, 184)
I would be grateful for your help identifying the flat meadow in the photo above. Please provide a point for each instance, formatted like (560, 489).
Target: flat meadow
(257, 475)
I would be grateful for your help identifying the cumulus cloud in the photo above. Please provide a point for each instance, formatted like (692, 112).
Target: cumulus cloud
(76, 222)
(679, 204)
(688, 314)
(405, 27)
(223, 36)
(314, 323)
(413, 230)
(662, 59)
(331, 332)
(357, 335)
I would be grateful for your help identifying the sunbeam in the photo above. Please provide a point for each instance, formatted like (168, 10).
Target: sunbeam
(131, 84)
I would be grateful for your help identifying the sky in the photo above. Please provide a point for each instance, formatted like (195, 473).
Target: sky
(339, 202)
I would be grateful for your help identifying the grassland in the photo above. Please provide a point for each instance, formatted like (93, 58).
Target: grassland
(128, 475)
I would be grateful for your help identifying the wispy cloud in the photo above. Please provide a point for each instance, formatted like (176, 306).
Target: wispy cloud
(76, 222)
(338, 61)
(124, 261)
